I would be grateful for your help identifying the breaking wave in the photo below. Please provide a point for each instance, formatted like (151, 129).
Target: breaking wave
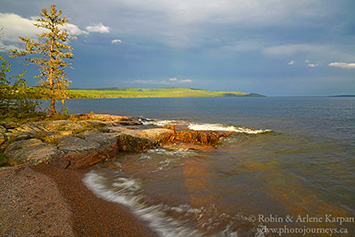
(206, 126)
(221, 127)
(166, 220)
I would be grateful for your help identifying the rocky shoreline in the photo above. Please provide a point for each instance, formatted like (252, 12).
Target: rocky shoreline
(44, 195)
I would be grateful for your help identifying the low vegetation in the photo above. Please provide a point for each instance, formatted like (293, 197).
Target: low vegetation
(15, 99)
(146, 93)
(39, 93)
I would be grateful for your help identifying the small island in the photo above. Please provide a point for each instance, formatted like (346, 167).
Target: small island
(342, 96)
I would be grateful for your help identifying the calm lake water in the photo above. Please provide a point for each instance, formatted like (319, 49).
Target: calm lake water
(299, 178)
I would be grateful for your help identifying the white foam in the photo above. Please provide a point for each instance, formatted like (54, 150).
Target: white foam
(221, 127)
(174, 153)
(128, 192)
(128, 195)
(206, 126)
(163, 123)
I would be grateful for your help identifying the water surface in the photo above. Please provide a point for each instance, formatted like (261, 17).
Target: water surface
(305, 166)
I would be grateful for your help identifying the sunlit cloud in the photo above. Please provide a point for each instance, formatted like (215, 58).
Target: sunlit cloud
(175, 80)
(311, 64)
(116, 41)
(15, 26)
(74, 29)
(342, 65)
(291, 63)
(98, 28)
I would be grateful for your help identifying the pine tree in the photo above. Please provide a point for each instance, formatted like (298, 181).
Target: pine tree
(51, 49)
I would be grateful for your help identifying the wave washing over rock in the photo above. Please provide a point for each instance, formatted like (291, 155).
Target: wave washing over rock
(166, 220)
(221, 127)
(206, 126)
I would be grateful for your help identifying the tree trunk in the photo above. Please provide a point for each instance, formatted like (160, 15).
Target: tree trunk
(51, 75)
(52, 106)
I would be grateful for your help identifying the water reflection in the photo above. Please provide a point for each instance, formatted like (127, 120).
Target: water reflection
(196, 182)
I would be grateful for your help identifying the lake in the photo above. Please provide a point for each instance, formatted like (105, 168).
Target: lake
(294, 174)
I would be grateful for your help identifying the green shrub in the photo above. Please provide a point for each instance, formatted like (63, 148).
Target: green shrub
(15, 101)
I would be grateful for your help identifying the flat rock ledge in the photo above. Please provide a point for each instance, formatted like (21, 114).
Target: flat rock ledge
(88, 139)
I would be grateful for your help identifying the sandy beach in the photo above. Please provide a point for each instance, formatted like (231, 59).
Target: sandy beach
(46, 201)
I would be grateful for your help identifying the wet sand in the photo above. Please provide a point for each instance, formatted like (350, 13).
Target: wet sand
(43, 200)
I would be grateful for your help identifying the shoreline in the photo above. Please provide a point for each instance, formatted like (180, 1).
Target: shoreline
(42, 196)
(42, 200)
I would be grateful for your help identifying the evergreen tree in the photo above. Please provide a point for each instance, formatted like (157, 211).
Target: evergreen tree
(51, 49)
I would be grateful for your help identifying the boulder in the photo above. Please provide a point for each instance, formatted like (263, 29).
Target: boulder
(32, 151)
(156, 134)
(98, 123)
(34, 127)
(86, 151)
(120, 129)
(17, 136)
(102, 138)
(70, 143)
(79, 160)
(129, 143)
(209, 138)
(56, 125)
(139, 140)
(23, 144)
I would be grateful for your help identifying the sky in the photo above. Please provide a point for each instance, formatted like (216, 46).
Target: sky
(271, 47)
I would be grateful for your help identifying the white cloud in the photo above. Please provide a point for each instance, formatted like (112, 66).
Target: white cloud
(175, 80)
(185, 81)
(342, 65)
(311, 64)
(74, 29)
(99, 28)
(116, 41)
(291, 63)
(171, 81)
(15, 26)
